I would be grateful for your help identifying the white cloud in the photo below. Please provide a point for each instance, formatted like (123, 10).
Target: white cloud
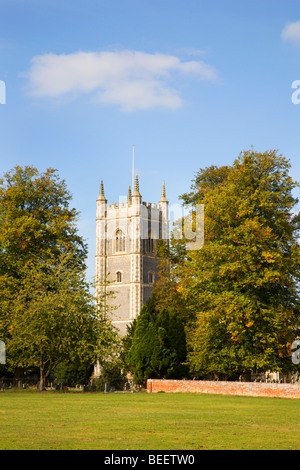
(130, 79)
(291, 32)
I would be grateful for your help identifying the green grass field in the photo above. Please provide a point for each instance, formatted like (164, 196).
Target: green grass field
(143, 421)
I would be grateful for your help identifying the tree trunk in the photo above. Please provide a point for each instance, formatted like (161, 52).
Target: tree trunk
(42, 381)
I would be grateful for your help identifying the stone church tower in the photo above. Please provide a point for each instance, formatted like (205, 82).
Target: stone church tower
(125, 250)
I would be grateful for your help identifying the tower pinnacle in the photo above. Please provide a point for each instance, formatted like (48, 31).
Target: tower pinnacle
(136, 187)
(101, 195)
(129, 198)
(163, 194)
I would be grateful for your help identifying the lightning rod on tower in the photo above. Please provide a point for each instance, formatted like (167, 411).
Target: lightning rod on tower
(132, 184)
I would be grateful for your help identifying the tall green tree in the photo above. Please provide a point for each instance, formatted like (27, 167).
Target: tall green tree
(47, 312)
(55, 319)
(242, 287)
(158, 346)
(36, 219)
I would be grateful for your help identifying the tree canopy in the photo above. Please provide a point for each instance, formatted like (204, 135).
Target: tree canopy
(158, 346)
(239, 294)
(47, 312)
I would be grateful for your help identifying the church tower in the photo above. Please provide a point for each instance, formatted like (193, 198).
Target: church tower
(125, 250)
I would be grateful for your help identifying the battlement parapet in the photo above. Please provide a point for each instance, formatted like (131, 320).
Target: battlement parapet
(127, 209)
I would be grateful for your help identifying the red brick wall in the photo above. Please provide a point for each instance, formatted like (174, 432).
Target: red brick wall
(226, 388)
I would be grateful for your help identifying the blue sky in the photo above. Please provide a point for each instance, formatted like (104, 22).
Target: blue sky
(189, 83)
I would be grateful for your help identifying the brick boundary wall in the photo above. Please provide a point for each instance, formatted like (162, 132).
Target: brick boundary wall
(257, 389)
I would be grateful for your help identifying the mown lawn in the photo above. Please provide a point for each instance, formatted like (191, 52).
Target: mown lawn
(143, 421)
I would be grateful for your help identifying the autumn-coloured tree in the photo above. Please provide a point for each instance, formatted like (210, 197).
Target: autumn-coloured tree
(47, 312)
(242, 287)
(36, 219)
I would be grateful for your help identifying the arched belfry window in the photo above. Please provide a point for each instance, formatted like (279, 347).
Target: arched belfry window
(119, 276)
(119, 241)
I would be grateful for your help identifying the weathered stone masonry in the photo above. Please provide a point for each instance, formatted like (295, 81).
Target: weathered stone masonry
(125, 251)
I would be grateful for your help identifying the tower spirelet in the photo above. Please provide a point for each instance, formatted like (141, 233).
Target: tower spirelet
(136, 187)
(129, 198)
(101, 195)
(163, 194)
